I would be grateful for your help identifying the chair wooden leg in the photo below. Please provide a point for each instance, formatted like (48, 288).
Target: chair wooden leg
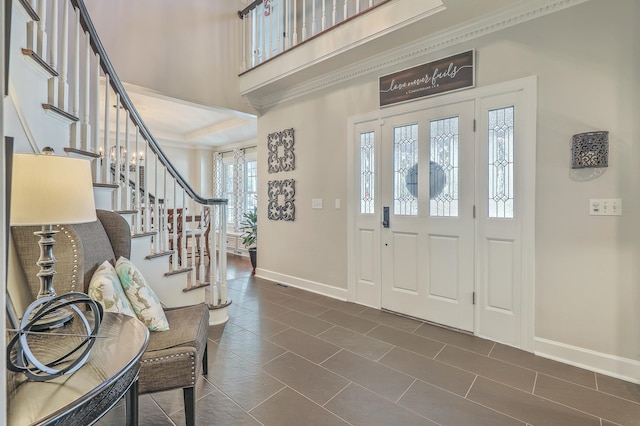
(205, 361)
(190, 405)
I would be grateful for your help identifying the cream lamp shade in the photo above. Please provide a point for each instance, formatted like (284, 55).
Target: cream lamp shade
(50, 189)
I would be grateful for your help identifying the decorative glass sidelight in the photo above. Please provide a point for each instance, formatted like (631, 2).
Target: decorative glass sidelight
(405, 157)
(501, 186)
(367, 173)
(444, 167)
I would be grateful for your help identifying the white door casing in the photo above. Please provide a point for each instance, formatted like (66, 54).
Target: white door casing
(504, 294)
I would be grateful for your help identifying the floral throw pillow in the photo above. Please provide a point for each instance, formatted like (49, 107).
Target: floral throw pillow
(105, 289)
(144, 301)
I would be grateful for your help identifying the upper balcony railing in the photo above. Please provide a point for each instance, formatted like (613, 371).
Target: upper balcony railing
(270, 27)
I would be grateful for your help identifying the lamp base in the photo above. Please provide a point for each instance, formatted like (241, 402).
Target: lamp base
(54, 319)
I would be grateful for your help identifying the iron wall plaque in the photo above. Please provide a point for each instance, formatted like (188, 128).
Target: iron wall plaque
(281, 155)
(282, 195)
(444, 75)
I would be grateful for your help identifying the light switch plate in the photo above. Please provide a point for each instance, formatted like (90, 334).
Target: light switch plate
(316, 203)
(605, 207)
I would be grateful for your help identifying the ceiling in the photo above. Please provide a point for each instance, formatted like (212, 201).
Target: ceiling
(181, 123)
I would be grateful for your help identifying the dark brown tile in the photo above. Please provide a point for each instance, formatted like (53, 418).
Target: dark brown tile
(360, 344)
(216, 409)
(617, 387)
(377, 378)
(361, 407)
(524, 406)
(289, 408)
(430, 371)
(494, 369)
(250, 346)
(246, 384)
(172, 401)
(314, 382)
(599, 404)
(448, 409)
(153, 415)
(552, 368)
(455, 338)
(302, 322)
(303, 306)
(351, 322)
(339, 305)
(305, 345)
(392, 320)
(408, 341)
(264, 308)
(258, 324)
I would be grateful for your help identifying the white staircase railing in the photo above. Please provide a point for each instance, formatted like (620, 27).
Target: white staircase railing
(85, 89)
(270, 27)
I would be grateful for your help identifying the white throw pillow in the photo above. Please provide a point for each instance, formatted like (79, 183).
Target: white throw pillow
(106, 289)
(144, 301)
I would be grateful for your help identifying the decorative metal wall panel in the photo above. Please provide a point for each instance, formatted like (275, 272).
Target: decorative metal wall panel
(281, 155)
(281, 199)
(590, 149)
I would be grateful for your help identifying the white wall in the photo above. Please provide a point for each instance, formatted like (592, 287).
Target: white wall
(587, 273)
(187, 49)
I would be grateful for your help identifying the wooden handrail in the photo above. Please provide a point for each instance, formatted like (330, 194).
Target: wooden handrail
(244, 12)
(116, 84)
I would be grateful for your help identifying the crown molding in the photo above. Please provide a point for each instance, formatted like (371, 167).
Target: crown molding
(522, 12)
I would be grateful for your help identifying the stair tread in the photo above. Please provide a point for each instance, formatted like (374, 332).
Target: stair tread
(81, 152)
(105, 185)
(195, 287)
(160, 254)
(60, 112)
(178, 271)
(38, 59)
(144, 234)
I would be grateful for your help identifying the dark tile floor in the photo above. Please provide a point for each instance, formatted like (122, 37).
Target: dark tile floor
(290, 357)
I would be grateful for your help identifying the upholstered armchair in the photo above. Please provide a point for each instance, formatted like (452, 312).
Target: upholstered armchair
(174, 358)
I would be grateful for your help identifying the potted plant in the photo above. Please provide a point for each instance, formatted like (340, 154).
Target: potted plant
(249, 225)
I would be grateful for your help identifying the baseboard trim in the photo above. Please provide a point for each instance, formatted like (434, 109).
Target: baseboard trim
(610, 365)
(312, 286)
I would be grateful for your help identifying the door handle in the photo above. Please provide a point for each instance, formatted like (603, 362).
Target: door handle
(385, 217)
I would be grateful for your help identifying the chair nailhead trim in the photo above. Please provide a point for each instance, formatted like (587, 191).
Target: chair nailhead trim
(193, 363)
(74, 272)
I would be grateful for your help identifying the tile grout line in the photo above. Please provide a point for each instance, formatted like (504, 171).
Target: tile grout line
(471, 386)
(405, 391)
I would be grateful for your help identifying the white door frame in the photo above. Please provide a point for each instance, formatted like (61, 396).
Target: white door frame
(527, 87)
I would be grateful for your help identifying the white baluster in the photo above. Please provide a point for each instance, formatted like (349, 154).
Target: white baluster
(174, 222)
(136, 189)
(63, 80)
(42, 30)
(216, 244)
(157, 245)
(117, 205)
(278, 16)
(222, 275)
(314, 28)
(345, 14)
(244, 42)
(146, 202)
(254, 37)
(126, 184)
(185, 240)
(294, 36)
(53, 53)
(286, 15)
(357, 7)
(95, 118)
(304, 19)
(324, 14)
(263, 34)
(335, 12)
(370, 3)
(107, 123)
(203, 229)
(77, 141)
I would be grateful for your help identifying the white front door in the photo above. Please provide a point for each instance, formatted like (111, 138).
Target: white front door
(456, 178)
(427, 187)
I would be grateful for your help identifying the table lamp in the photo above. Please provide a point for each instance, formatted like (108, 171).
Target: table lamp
(50, 190)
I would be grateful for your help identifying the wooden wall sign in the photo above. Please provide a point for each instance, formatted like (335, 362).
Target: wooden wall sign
(444, 75)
